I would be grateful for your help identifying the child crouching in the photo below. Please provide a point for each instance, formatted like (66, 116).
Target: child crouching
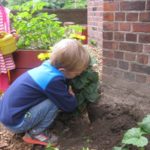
(34, 99)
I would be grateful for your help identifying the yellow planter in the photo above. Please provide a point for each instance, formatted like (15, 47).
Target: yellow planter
(7, 43)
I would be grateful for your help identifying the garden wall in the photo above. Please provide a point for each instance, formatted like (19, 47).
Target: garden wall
(78, 16)
(124, 38)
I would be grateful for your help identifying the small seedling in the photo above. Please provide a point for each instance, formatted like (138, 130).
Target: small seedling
(49, 147)
(85, 148)
(136, 136)
(120, 148)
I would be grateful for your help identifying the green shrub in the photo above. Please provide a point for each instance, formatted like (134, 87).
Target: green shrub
(136, 136)
(86, 87)
(37, 30)
(53, 4)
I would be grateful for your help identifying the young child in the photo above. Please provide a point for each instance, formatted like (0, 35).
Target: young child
(33, 101)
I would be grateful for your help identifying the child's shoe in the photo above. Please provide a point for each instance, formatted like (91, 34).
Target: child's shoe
(41, 139)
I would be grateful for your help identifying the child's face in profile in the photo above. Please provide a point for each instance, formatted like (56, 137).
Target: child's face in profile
(72, 74)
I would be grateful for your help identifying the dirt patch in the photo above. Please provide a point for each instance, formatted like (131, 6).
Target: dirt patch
(118, 111)
(102, 134)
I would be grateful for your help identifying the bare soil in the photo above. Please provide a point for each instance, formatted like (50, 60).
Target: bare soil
(102, 129)
(105, 131)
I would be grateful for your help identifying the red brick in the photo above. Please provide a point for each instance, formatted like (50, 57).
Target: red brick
(118, 55)
(141, 78)
(133, 47)
(108, 35)
(107, 70)
(94, 28)
(141, 27)
(148, 5)
(110, 45)
(131, 37)
(119, 36)
(132, 17)
(144, 38)
(108, 16)
(109, 62)
(146, 48)
(130, 56)
(143, 59)
(123, 65)
(110, 26)
(145, 17)
(105, 77)
(117, 73)
(94, 8)
(140, 68)
(129, 76)
(119, 16)
(148, 79)
(109, 54)
(124, 26)
(132, 5)
(111, 6)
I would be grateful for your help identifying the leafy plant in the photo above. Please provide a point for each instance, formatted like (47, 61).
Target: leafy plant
(85, 148)
(75, 4)
(16, 2)
(145, 124)
(55, 4)
(4, 2)
(120, 148)
(36, 29)
(49, 147)
(135, 136)
(93, 42)
(86, 87)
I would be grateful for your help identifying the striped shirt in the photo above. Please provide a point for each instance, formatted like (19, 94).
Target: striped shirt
(6, 61)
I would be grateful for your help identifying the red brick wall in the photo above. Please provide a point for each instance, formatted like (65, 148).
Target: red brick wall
(95, 21)
(124, 36)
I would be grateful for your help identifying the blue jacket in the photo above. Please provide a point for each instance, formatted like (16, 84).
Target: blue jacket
(33, 87)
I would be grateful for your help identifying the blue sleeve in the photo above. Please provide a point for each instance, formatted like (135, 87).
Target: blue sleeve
(57, 92)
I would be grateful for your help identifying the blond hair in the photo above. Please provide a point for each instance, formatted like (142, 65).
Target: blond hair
(70, 54)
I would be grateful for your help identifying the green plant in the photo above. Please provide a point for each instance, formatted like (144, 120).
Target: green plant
(75, 4)
(93, 42)
(49, 147)
(55, 4)
(4, 2)
(86, 87)
(37, 29)
(85, 148)
(136, 136)
(120, 148)
(16, 2)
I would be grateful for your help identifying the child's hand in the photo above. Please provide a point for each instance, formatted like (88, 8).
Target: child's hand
(15, 35)
(71, 91)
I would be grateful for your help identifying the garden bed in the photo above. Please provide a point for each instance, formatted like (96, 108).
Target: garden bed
(105, 132)
(108, 123)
